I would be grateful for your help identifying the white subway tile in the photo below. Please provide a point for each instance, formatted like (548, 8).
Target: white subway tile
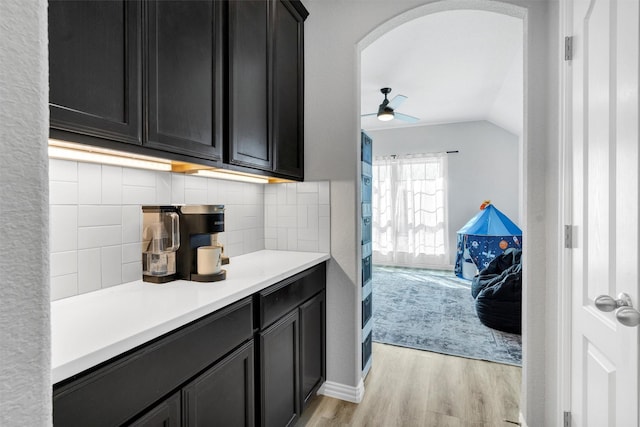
(64, 286)
(292, 239)
(312, 217)
(302, 216)
(111, 266)
(89, 183)
(324, 235)
(131, 252)
(307, 199)
(213, 192)
(131, 271)
(308, 245)
(94, 216)
(309, 234)
(89, 270)
(139, 177)
(177, 188)
(94, 237)
(195, 196)
(324, 191)
(283, 236)
(195, 182)
(270, 233)
(131, 224)
(163, 188)
(271, 244)
(63, 263)
(281, 193)
(63, 193)
(307, 187)
(63, 170)
(271, 213)
(111, 185)
(271, 199)
(292, 194)
(63, 228)
(133, 195)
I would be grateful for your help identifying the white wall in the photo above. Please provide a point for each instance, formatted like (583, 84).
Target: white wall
(485, 167)
(25, 387)
(335, 32)
(96, 219)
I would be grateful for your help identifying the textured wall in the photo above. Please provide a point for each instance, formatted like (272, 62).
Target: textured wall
(25, 392)
(335, 32)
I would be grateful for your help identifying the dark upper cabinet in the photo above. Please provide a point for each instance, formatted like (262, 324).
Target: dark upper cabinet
(288, 89)
(249, 141)
(95, 68)
(184, 77)
(266, 86)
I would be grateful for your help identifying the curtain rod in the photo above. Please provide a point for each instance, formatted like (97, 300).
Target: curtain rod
(447, 152)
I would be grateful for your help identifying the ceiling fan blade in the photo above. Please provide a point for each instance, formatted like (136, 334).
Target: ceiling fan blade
(406, 118)
(395, 102)
(370, 114)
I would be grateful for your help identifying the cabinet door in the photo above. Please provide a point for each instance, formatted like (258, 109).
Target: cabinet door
(165, 414)
(279, 367)
(184, 102)
(249, 143)
(312, 346)
(288, 90)
(94, 68)
(223, 395)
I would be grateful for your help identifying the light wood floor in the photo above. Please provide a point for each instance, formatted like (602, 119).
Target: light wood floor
(407, 387)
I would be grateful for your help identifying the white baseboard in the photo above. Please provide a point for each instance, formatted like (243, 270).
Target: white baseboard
(343, 392)
(523, 423)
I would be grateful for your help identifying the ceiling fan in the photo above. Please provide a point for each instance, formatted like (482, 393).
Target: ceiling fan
(386, 110)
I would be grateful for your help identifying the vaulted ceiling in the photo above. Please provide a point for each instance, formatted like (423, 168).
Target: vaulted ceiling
(453, 66)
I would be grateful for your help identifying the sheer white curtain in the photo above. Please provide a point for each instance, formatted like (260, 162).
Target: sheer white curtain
(409, 210)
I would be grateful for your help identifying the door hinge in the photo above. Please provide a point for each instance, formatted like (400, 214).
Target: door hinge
(568, 237)
(568, 48)
(567, 419)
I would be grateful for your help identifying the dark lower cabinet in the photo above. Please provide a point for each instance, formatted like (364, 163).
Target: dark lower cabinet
(292, 345)
(168, 413)
(224, 395)
(258, 361)
(312, 351)
(279, 367)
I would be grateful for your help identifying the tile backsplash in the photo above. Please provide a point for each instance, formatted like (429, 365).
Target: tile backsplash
(96, 217)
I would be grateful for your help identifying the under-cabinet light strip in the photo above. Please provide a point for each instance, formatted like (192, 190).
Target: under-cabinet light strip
(64, 153)
(232, 176)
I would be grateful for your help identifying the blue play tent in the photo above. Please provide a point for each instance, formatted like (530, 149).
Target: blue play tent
(485, 236)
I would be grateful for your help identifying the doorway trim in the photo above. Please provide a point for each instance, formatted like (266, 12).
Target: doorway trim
(487, 6)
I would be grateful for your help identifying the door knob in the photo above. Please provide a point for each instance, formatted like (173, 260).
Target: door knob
(607, 303)
(628, 316)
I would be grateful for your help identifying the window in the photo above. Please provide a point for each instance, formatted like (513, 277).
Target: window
(409, 210)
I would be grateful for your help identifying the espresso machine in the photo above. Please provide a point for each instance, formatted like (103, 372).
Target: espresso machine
(160, 241)
(200, 255)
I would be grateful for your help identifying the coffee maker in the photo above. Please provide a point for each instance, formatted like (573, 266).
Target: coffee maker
(199, 228)
(160, 241)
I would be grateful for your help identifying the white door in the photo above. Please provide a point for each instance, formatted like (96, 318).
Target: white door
(604, 138)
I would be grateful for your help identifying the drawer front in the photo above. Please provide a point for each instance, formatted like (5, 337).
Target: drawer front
(366, 309)
(117, 391)
(279, 299)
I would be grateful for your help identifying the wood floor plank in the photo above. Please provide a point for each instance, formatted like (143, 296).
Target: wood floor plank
(407, 387)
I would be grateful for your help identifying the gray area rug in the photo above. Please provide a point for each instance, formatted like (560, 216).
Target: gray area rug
(434, 310)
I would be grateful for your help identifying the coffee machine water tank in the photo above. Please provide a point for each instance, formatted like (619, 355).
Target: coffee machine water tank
(160, 241)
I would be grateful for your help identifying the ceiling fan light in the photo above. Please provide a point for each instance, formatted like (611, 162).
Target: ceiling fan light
(385, 116)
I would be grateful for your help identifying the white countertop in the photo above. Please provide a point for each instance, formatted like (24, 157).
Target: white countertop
(91, 328)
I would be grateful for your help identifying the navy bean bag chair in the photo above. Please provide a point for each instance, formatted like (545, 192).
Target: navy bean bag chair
(498, 292)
